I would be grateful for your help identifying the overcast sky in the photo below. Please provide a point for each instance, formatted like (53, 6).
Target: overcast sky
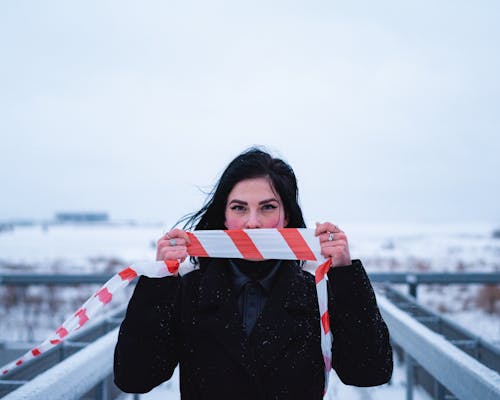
(387, 110)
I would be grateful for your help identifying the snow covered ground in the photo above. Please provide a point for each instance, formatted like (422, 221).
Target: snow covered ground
(30, 314)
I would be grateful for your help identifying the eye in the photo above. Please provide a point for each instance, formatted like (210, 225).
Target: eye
(269, 207)
(237, 207)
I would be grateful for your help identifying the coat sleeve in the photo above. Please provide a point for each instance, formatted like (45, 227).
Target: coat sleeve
(362, 354)
(146, 351)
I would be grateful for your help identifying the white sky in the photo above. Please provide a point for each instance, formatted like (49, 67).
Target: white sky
(387, 110)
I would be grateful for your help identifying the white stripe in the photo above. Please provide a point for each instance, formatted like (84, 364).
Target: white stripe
(310, 266)
(113, 284)
(92, 308)
(218, 244)
(271, 244)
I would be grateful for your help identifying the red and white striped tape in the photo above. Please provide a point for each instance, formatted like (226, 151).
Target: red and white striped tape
(282, 244)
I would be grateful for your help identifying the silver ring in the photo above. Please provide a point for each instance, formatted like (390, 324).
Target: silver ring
(172, 242)
(330, 236)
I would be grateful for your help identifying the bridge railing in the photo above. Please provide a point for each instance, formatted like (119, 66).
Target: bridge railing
(413, 280)
(463, 376)
(459, 373)
(75, 376)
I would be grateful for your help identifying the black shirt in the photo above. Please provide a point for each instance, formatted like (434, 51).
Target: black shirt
(252, 281)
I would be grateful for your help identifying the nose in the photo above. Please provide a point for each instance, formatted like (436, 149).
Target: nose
(253, 221)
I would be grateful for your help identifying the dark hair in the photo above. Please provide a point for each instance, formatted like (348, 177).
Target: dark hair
(253, 163)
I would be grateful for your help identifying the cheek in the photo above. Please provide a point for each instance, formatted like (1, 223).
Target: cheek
(274, 221)
(279, 220)
(232, 222)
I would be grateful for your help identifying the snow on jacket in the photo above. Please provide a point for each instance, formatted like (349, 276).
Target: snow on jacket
(194, 321)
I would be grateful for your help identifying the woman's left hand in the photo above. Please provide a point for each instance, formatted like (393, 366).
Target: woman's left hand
(333, 242)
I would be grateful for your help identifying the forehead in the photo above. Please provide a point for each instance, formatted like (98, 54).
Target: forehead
(253, 187)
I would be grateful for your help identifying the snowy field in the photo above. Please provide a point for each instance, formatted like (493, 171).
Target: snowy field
(29, 314)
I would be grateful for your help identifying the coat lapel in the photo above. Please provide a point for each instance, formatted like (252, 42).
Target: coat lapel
(219, 316)
(290, 307)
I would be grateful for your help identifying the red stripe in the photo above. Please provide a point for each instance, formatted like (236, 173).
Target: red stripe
(322, 270)
(61, 332)
(244, 244)
(82, 314)
(128, 274)
(104, 296)
(35, 352)
(325, 322)
(172, 266)
(195, 248)
(5, 371)
(19, 362)
(297, 244)
(54, 342)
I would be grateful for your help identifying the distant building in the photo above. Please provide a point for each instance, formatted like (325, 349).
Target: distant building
(82, 217)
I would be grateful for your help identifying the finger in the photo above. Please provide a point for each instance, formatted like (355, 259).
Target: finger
(335, 252)
(325, 237)
(173, 241)
(335, 247)
(321, 227)
(326, 227)
(172, 253)
(177, 235)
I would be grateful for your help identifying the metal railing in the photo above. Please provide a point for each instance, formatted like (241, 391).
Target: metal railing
(413, 280)
(79, 340)
(409, 278)
(75, 376)
(465, 377)
(417, 341)
(478, 348)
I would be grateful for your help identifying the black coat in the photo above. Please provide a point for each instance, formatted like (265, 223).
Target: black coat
(194, 321)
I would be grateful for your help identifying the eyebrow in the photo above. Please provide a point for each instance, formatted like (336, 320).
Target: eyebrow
(260, 202)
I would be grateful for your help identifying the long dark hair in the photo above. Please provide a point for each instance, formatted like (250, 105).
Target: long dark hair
(253, 163)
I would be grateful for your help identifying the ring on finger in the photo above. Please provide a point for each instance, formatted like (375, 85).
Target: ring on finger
(330, 236)
(172, 242)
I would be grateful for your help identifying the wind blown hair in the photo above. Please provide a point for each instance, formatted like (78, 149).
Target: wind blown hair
(253, 163)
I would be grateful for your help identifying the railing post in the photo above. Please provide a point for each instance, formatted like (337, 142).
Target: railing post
(438, 390)
(409, 376)
(412, 282)
(101, 389)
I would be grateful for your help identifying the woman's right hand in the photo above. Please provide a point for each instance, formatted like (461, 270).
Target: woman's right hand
(173, 246)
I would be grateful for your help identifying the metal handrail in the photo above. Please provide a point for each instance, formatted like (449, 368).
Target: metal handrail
(477, 347)
(73, 377)
(409, 278)
(461, 374)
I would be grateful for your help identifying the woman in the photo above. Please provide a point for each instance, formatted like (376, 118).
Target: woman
(243, 329)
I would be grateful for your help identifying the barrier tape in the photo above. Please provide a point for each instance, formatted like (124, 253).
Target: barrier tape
(282, 244)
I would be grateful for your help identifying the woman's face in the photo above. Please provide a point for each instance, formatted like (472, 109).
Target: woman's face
(254, 204)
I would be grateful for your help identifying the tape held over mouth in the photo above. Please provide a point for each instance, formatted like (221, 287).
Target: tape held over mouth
(282, 244)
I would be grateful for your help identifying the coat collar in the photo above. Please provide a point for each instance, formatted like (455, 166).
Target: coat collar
(216, 290)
